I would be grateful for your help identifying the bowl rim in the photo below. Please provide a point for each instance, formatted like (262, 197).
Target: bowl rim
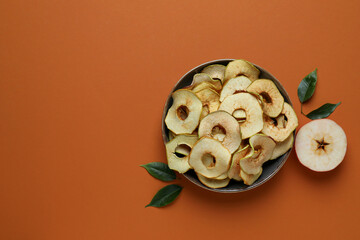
(164, 127)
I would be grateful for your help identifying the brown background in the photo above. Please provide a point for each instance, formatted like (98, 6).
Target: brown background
(82, 87)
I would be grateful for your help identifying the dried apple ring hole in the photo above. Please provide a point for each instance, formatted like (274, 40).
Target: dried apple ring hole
(280, 133)
(257, 149)
(182, 112)
(239, 114)
(221, 126)
(182, 150)
(208, 160)
(218, 132)
(266, 97)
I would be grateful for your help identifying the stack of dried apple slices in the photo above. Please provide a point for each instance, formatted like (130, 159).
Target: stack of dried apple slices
(227, 124)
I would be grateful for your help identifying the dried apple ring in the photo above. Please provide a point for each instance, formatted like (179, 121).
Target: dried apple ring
(254, 114)
(234, 85)
(203, 77)
(184, 115)
(210, 101)
(249, 179)
(213, 183)
(241, 68)
(215, 71)
(279, 133)
(209, 158)
(234, 171)
(177, 152)
(227, 123)
(263, 148)
(273, 101)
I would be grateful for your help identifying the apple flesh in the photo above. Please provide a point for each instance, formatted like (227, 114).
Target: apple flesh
(215, 71)
(279, 132)
(234, 85)
(249, 179)
(210, 101)
(209, 158)
(202, 86)
(273, 101)
(181, 143)
(223, 121)
(241, 68)
(203, 77)
(184, 115)
(213, 183)
(254, 115)
(321, 145)
(282, 147)
(263, 148)
(234, 171)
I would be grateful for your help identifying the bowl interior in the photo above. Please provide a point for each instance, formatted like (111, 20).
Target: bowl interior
(270, 168)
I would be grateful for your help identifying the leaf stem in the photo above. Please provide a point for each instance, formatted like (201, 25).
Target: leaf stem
(302, 110)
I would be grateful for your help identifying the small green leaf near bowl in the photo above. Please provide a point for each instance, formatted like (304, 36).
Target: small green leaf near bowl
(323, 111)
(165, 196)
(307, 86)
(160, 171)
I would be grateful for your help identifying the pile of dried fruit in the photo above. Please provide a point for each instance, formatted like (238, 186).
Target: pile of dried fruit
(227, 124)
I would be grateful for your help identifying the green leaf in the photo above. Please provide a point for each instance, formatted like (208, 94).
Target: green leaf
(165, 196)
(323, 111)
(307, 86)
(160, 171)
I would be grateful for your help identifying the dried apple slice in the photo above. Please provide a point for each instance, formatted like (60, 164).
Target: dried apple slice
(202, 77)
(254, 114)
(224, 121)
(210, 101)
(282, 147)
(279, 134)
(241, 67)
(234, 170)
(213, 183)
(215, 71)
(234, 85)
(202, 86)
(273, 101)
(222, 176)
(249, 179)
(263, 148)
(209, 157)
(176, 161)
(184, 115)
